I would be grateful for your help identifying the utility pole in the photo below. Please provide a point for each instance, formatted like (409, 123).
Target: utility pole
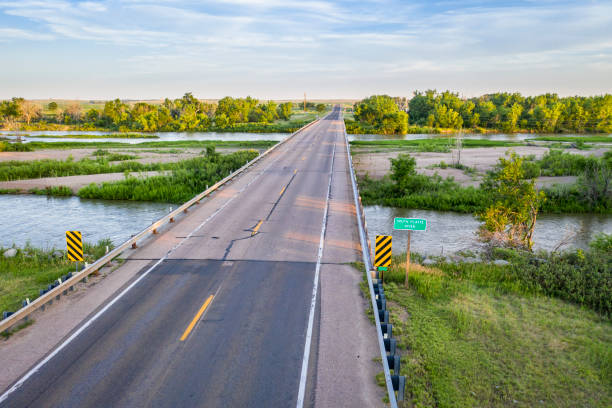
(304, 101)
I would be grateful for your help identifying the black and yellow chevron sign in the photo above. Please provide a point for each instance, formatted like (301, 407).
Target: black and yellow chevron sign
(74, 244)
(382, 251)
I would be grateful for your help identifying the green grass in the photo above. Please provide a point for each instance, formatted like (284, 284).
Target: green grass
(585, 139)
(58, 191)
(113, 156)
(433, 192)
(434, 143)
(476, 335)
(10, 191)
(32, 269)
(6, 146)
(20, 170)
(109, 136)
(188, 178)
(254, 144)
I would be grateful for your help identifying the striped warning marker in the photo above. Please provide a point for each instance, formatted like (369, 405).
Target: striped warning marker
(74, 244)
(382, 251)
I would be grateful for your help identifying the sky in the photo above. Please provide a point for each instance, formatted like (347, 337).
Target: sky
(279, 49)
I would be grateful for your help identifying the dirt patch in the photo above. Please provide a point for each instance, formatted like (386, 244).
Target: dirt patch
(377, 164)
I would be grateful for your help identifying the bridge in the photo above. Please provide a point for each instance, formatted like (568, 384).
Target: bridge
(247, 300)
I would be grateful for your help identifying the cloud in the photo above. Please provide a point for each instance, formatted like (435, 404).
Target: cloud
(7, 34)
(365, 39)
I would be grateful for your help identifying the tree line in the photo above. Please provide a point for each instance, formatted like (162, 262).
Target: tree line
(507, 112)
(183, 114)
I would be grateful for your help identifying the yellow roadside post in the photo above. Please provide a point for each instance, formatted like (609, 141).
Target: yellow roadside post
(74, 247)
(382, 253)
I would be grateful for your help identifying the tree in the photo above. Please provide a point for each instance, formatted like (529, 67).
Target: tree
(52, 106)
(72, 113)
(321, 108)
(596, 183)
(284, 110)
(511, 219)
(10, 111)
(29, 111)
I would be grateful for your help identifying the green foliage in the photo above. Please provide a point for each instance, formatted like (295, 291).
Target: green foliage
(15, 147)
(382, 113)
(61, 191)
(576, 139)
(435, 144)
(158, 144)
(559, 163)
(457, 321)
(183, 114)
(511, 112)
(33, 269)
(188, 178)
(407, 189)
(284, 110)
(19, 170)
(511, 219)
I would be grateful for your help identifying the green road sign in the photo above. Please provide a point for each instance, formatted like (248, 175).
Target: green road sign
(410, 224)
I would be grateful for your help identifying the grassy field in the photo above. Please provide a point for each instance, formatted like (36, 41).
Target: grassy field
(435, 143)
(254, 144)
(585, 139)
(474, 335)
(109, 136)
(187, 178)
(32, 269)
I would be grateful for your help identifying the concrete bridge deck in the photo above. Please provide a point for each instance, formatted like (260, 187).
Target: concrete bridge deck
(217, 309)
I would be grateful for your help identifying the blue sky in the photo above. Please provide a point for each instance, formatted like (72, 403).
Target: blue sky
(283, 48)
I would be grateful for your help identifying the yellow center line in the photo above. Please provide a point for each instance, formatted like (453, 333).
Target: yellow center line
(295, 171)
(256, 227)
(197, 317)
(282, 191)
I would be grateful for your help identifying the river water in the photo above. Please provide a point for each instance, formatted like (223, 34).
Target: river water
(449, 232)
(30, 136)
(42, 221)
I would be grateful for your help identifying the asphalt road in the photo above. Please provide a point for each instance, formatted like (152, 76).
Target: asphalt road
(222, 320)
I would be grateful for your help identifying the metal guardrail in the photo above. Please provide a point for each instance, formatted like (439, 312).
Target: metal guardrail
(395, 382)
(56, 292)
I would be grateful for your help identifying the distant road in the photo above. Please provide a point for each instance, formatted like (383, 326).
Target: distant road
(222, 320)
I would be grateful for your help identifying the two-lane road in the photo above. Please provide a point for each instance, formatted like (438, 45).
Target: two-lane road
(222, 319)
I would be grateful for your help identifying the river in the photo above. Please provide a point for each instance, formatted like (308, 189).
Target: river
(42, 221)
(449, 232)
(31, 136)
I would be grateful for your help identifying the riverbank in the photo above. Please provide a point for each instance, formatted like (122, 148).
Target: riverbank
(25, 271)
(540, 330)
(374, 160)
(571, 181)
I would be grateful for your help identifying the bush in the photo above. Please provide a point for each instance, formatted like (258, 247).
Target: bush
(188, 178)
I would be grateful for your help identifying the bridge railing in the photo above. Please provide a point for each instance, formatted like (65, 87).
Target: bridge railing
(14, 318)
(386, 344)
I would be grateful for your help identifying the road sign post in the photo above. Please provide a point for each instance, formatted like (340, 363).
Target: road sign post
(409, 224)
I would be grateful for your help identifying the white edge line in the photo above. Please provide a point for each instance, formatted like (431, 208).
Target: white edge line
(313, 299)
(367, 263)
(38, 366)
